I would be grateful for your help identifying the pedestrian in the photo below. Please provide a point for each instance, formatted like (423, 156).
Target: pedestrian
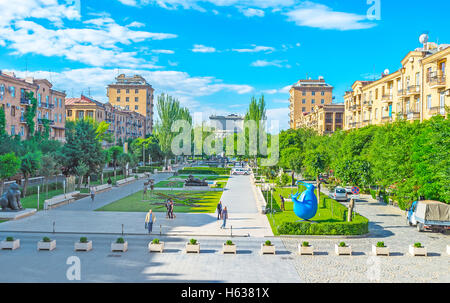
(171, 209)
(149, 220)
(168, 208)
(219, 210)
(109, 181)
(224, 217)
(282, 202)
(145, 191)
(92, 194)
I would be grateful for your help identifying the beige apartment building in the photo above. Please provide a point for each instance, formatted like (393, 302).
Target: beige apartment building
(324, 119)
(50, 105)
(306, 94)
(123, 124)
(133, 94)
(417, 91)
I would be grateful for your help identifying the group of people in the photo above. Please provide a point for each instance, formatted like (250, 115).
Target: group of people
(222, 213)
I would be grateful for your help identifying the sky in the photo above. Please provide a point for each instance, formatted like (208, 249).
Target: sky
(214, 55)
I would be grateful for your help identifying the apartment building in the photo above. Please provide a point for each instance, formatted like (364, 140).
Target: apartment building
(133, 94)
(123, 124)
(324, 119)
(50, 105)
(419, 90)
(306, 94)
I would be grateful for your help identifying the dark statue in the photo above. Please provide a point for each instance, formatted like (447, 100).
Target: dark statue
(11, 198)
(191, 181)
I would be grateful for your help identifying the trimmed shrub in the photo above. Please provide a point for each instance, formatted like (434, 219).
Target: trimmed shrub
(120, 241)
(326, 228)
(155, 241)
(305, 244)
(9, 239)
(46, 239)
(268, 243)
(205, 171)
(418, 245)
(229, 242)
(83, 240)
(380, 244)
(193, 242)
(342, 244)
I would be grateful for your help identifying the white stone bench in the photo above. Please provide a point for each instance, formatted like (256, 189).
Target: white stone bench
(60, 200)
(125, 181)
(102, 188)
(141, 176)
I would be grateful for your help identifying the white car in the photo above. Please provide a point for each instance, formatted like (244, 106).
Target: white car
(239, 171)
(340, 194)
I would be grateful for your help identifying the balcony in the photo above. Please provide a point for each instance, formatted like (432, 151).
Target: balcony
(413, 116)
(42, 121)
(437, 110)
(368, 103)
(386, 119)
(402, 92)
(436, 79)
(413, 90)
(387, 98)
(24, 101)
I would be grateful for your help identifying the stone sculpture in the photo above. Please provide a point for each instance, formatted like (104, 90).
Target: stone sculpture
(11, 199)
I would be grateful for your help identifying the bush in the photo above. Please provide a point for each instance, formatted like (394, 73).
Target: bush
(229, 242)
(83, 240)
(46, 239)
(148, 169)
(305, 244)
(417, 245)
(373, 193)
(326, 228)
(9, 239)
(205, 171)
(193, 241)
(380, 244)
(120, 241)
(155, 241)
(342, 244)
(268, 243)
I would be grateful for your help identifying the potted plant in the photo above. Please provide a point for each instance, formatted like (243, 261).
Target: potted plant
(10, 243)
(83, 245)
(343, 249)
(229, 247)
(46, 244)
(119, 245)
(193, 246)
(267, 248)
(380, 249)
(156, 245)
(305, 248)
(417, 249)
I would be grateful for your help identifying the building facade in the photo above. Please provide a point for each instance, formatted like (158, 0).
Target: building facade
(324, 119)
(306, 94)
(227, 125)
(133, 94)
(417, 91)
(123, 124)
(50, 106)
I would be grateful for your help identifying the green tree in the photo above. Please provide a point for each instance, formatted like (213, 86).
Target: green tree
(30, 113)
(2, 123)
(9, 166)
(115, 152)
(30, 164)
(124, 160)
(81, 170)
(49, 168)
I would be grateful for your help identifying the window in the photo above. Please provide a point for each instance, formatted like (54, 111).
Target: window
(13, 111)
(136, 91)
(376, 113)
(39, 100)
(60, 117)
(303, 109)
(127, 91)
(136, 107)
(22, 131)
(118, 99)
(313, 101)
(429, 101)
(304, 101)
(69, 113)
(322, 93)
(12, 91)
(322, 101)
(136, 99)
(13, 130)
(2, 91)
(303, 93)
(128, 99)
(313, 93)
(118, 91)
(46, 101)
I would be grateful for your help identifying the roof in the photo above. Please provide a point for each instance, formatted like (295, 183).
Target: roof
(83, 100)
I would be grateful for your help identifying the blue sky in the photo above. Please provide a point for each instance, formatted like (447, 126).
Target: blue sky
(213, 55)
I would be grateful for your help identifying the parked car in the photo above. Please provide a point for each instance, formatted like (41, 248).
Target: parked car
(239, 171)
(429, 215)
(339, 194)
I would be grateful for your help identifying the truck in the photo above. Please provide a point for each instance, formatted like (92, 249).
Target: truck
(429, 215)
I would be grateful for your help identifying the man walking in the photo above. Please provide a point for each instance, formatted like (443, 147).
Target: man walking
(219, 210)
(149, 219)
(92, 194)
(282, 203)
(224, 217)
(171, 205)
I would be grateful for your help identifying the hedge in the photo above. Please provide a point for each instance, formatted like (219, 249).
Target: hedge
(206, 171)
(326, 228)
(148, 169)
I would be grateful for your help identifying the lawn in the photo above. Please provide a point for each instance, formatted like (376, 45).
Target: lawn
(199, 176)
(330, 216)
(170, 184)
(30, 201)
(185, 202)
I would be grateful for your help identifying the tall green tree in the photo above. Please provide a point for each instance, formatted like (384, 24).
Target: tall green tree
(114, 153)
(9, 166)
(49, 168)
(30, 164)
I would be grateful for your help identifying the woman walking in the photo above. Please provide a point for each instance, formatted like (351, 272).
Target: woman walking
(171, 209)
(219, 210)
(224, 217)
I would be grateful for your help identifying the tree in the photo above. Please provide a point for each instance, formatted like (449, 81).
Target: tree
(315, 163)
(124, 160)
(256, 112)
(30, 113)
(2, 122)
(9, 166)
(81, 170)
(49, 168)
(283, 180)
(115, 152)
(30, 163)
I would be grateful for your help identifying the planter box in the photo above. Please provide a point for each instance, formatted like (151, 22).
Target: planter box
(123, 247)
(192, 248)
(229, 249)
(156, 247)
(10, 244)
(418, 251)
(380, 251)
(83, 246)
(46, 245)
(308, 250)
(265, 249)
(347, 250)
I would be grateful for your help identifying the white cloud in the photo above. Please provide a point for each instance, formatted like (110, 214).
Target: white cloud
(252, 12)
(265, 63)
(136, 24)
(198, 48)
(255, 49)
(279, 114)
(284, 90)
(321, 16)
(163, 51)
(98, 42)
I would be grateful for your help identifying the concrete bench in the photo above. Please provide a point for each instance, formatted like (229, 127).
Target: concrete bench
(102, 188)
(141, 176)
(60, 200)
(125, 181)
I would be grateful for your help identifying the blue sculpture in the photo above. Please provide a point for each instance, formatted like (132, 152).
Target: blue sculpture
(305, 204)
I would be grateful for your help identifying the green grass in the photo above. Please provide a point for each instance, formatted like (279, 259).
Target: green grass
(170, 184)
(31, 200)
(207, 177)
(329, 210)
(185, 202)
